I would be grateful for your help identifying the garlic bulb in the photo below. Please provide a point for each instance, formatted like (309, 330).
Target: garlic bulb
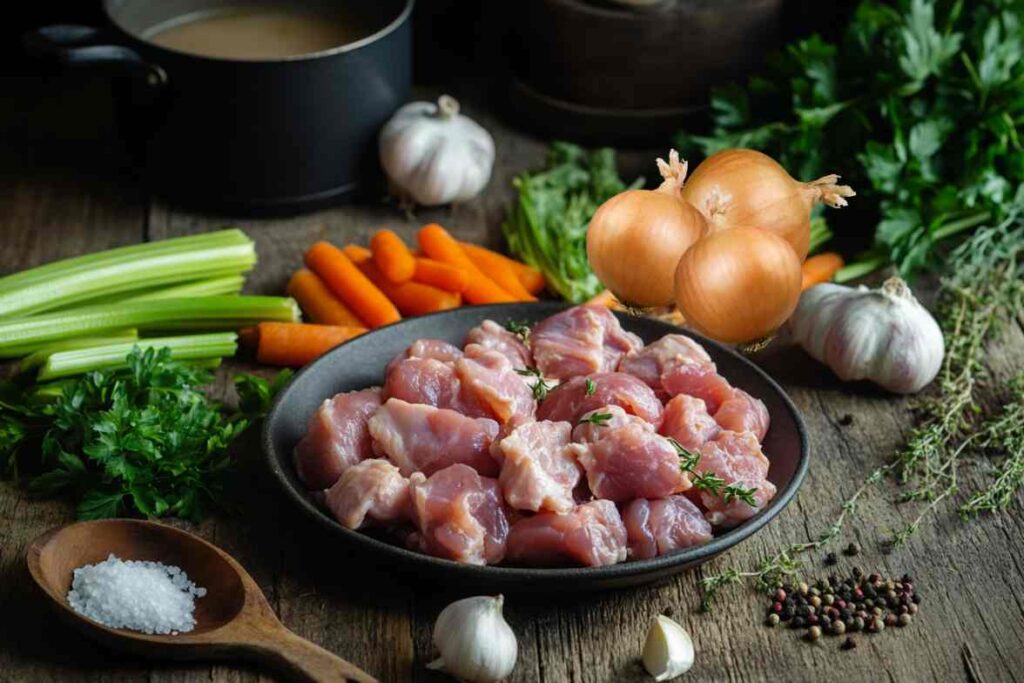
(883, 335)
(435, 155)
(477, 645)
(668, 650)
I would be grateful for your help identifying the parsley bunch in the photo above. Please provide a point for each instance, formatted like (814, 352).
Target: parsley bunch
(141, 440)
(917, 105)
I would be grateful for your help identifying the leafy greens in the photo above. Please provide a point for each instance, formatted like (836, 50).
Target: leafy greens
(547, 225)
(918, 105)
(142, 440)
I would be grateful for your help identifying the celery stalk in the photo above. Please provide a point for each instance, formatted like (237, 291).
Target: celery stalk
(122, 270)
(217, 286)
(199, 347)
(25, 335)
(51, 391)
(36, 359)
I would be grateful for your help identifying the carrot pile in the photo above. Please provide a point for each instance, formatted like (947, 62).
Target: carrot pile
(348, 290)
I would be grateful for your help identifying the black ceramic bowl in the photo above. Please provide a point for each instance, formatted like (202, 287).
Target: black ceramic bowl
(360, 363)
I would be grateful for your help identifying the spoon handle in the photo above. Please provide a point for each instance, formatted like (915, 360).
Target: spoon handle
(299, 659)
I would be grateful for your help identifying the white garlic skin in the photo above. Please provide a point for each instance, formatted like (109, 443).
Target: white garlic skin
(476, 643)
(668, 649)
(435, 155)
(883, 335)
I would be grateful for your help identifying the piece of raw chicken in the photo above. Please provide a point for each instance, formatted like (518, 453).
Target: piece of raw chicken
(436, 349)
(539, 471)
(488, 380)
(336, 438)
(569, 401)
(741, 412)
(687, 421)
(580, 341)
(673, 351)
(422, 438)
(736, 457)
(493, 336)
(459, 515)
(589, 431)
(657, 527)
(631, 462)
(370, 492)
(591, 535)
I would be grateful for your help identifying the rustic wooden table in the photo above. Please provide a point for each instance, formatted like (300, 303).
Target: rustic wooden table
(971, 574)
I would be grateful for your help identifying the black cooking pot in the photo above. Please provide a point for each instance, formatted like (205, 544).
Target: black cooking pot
(251, 135)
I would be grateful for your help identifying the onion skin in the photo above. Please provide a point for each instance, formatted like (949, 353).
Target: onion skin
(739, 285)
(743, 187)
(635, 239)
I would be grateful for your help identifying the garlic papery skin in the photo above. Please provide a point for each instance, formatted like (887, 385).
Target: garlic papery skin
(434, 155)
(883, 335)
(476, 643)
(668, 650)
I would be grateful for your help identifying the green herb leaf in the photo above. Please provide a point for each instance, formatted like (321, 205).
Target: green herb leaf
(595, 418)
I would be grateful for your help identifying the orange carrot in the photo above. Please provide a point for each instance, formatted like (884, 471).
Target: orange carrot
(349, 284)
(439, 245)
(440, 275)
(497, 268)
(412, 298)
(531, 278)
(820, 268)
(392, 257)
(357, 253)
(605, 298)
(317, 302)
(295, 344)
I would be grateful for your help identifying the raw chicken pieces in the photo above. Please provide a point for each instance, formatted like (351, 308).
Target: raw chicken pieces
(687, 421)
(489, 380)
(336, 438)
(592, 535)
(588, 431)
(570, 400)
(657, 527)
(741, 412)
(372, 491)
(631, 462)
(671, 352)
(736, 457)
(580, 341)
(422, 438)
(491, 335)
(454, 457)
(540, 470)
(459, 515)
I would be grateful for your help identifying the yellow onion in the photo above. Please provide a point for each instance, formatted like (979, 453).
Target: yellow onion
(635, 239)
(738, 285)
(742, 187)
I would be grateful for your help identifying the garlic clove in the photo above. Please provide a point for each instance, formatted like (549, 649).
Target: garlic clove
(668, 650)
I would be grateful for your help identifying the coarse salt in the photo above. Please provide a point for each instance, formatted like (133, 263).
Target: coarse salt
(150, 597)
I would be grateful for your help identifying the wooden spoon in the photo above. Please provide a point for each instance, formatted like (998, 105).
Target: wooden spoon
(233, 620)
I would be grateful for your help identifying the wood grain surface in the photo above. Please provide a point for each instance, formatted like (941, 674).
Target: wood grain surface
(971, 575)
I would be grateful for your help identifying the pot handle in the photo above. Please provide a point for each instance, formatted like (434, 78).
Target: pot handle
(78, 46)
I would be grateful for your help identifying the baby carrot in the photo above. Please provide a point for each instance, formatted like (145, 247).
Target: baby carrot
(820, 268)
(496, 267)
(604, 298)
(295, 344)
(531, 278)
(350, 285)
(392, 257)
(440, 275)
(412, 298)
(357, 253)
(317, 302)
(439, 245)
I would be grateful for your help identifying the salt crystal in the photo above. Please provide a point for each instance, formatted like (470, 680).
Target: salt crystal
(150, 597)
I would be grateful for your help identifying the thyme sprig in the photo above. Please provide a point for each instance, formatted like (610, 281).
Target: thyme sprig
(596, 419)
(1003, 435)
(519, 328)
(541, 387)
(709, 481)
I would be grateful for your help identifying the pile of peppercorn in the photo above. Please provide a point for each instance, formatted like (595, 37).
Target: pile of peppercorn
(841, 606)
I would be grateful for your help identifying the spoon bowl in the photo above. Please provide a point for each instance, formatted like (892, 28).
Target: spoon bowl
(233, 620)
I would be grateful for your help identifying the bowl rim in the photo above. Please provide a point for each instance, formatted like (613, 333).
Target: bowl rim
(622, 570)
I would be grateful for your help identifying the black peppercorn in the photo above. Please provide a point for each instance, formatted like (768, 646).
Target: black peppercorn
(798, 622)
(846, 420)
(825, 622)
(852, 549)
(849, 644)
(916, 599)
(858, 572)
